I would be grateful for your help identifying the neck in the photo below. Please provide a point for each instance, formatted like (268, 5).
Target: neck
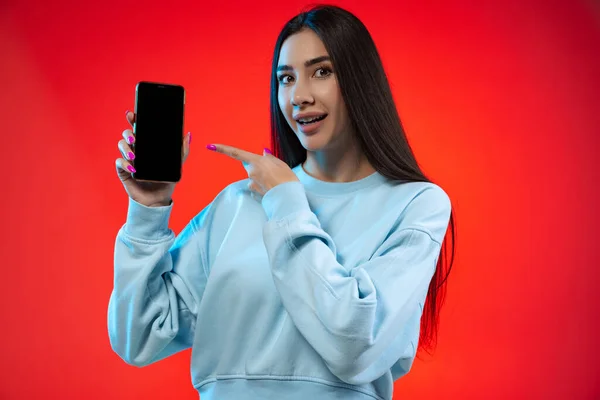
(329, 166)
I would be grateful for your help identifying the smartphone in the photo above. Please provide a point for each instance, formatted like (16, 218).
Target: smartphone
(158, 129)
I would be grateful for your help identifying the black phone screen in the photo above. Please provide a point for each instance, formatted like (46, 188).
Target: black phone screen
(158, 130)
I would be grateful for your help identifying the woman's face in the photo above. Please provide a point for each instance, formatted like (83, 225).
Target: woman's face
(309, 96)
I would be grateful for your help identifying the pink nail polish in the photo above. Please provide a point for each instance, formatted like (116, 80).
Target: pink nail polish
(211, 147)
(131, 169)
(126, 112)
(268, 151)
(130, 155)
(130, 139)
(190, 133)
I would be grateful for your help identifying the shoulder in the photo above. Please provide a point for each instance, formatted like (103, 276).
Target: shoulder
(427, 195)
(423, 206)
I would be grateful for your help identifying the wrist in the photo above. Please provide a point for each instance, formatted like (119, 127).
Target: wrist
(152, 202)
(145, 222)
(163, 203)
(285, 199)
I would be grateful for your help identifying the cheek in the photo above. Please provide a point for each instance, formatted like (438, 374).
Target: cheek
(334, 105)
(329, 95)
(340, 114)
(283, 103)
(286, 108)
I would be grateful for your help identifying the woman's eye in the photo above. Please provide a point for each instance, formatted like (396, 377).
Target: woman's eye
(323, 72)
(284, 79)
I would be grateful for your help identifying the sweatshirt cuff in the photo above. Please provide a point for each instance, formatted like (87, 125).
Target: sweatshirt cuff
(149, 223)
(285, 199)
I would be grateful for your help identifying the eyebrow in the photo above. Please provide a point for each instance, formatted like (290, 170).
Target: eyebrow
(308, 63)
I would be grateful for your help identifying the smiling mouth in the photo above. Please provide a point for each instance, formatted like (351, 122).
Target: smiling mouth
(311, 120)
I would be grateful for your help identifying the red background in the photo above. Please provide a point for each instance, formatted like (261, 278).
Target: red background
(499, 100)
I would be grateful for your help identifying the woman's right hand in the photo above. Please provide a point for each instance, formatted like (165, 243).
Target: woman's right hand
(150, 194)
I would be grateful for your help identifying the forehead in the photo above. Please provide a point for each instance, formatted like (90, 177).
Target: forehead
(300, 47)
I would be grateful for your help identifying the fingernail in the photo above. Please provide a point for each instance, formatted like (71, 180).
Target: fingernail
(190, 133)
(130, 155)
(130, 139)
(268, 151)
(127, 112)
(211, 147)
(131, 169)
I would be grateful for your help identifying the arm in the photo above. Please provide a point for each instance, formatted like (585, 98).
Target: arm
(152, 308)
(353, 318)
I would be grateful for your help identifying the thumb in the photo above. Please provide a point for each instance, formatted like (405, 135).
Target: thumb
(187, 140)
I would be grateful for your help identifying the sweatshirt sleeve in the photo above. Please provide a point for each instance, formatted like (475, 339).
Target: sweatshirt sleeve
(158, 282)
(353, 317)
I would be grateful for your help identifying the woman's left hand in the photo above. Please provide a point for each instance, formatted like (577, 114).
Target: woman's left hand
(265, 171)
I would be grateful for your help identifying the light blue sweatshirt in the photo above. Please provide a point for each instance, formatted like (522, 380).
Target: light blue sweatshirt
(314, 291)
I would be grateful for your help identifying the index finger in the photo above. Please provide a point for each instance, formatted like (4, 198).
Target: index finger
(238, 154)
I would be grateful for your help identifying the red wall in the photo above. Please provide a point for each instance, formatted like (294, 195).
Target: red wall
(501, 103)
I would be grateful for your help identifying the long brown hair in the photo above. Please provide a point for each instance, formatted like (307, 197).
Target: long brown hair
(374, 117)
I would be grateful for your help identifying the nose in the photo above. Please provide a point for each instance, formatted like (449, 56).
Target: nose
(301, 94)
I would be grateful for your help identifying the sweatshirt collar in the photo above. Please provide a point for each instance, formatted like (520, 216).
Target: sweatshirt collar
(319, 187)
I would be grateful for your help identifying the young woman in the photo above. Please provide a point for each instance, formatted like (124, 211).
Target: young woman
(310, 278)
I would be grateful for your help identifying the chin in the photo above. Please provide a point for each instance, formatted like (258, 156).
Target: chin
(312, 143)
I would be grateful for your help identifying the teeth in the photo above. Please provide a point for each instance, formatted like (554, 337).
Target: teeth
(309, 120)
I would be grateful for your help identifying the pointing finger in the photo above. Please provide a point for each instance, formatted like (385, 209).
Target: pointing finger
(233, 152)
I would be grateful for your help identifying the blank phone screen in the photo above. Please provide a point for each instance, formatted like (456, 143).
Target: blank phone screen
(158, 132)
